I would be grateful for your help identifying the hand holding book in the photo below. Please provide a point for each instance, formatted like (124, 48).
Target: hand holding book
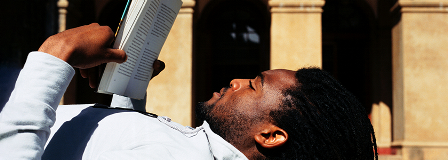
(93, 73)
(84, 47)
(142, 34)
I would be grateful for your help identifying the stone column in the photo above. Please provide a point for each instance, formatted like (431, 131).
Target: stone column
(296, 33)
(170, 93)
(420, 79)
(62, 5)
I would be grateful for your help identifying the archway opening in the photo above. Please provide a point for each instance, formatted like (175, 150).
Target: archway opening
(346, 46)
(231, 41)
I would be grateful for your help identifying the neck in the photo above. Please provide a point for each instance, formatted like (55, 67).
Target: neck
(254, 154)
(249, 149)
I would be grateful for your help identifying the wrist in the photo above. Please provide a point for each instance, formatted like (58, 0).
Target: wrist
(58, 48)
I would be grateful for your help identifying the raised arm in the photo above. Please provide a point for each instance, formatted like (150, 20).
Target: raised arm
(26, 118)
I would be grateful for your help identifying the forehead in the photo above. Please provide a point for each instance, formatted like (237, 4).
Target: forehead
(279, 79)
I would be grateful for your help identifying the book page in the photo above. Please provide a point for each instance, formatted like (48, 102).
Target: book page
(145, 29)
(162, 17)
(122, 72)
(133, 40)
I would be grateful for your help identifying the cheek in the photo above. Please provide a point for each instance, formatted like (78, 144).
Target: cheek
(227, 106)
(269, 102)
(239, 103)
(247, 105)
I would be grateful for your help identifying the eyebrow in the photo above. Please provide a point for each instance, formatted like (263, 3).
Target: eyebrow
(262, 78)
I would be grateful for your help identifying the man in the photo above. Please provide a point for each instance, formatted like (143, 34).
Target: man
(279, 114)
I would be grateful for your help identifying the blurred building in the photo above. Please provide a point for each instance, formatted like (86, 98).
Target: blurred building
(390, 53)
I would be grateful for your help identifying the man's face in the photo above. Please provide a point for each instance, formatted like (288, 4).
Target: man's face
(243, 106)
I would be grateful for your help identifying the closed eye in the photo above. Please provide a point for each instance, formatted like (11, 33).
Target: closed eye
(250, 85)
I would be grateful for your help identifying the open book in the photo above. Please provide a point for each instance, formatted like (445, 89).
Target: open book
(142, 34)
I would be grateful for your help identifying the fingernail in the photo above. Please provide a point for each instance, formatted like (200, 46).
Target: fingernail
(162, 65)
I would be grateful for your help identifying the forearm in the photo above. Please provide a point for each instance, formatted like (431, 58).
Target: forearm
(26, 118)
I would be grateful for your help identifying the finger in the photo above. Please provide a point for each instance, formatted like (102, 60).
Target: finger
(115, 55)
(111, 40)
(158, 66)
(109, 35)
(93, 77)
(84, 73)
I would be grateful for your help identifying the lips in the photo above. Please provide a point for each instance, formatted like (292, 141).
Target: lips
(216, 94)
(220, 94)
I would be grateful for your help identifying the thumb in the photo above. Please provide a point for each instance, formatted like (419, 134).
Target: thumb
(116, 55)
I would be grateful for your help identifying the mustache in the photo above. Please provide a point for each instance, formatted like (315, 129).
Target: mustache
(224, 91)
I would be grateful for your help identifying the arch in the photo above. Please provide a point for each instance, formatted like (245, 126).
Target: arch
(347, 34)
(231, 40)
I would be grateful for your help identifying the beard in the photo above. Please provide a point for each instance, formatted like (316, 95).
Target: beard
(231, 127)
(204, 113)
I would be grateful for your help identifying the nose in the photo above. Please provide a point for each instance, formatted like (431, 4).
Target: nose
(237, 84)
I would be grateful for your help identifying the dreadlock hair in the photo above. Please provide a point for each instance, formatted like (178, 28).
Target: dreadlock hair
(323, 121)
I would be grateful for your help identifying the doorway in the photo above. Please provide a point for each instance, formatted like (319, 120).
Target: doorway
(346, 46)
(231, 40)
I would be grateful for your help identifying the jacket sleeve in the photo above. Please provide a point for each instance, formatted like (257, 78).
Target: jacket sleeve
(27, 117)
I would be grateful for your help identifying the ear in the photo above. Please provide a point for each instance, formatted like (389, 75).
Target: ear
(271, 137)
